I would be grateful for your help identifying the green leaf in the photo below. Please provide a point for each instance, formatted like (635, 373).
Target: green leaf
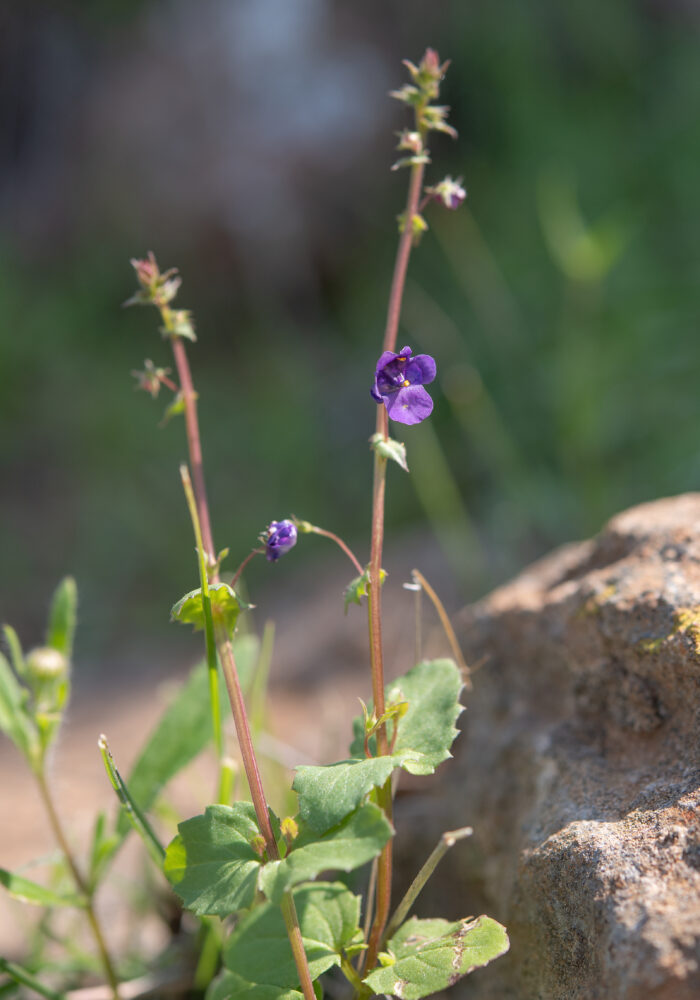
(136, 817)
(327, 794)
(432, 691)
(104, 844)
(15, 648)
(259, 951)
(348, 846)
(357, 588)
(430, 955)
(29, 892)
(211, 864)
(225, 606)
(173, 409)
(23, 976)
(184, 729)
(395, 451)
(14, 720)
(229, 986)
(62, 617)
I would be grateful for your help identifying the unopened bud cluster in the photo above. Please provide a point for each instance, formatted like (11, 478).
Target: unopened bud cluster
(159, 289)
(424, 88)
(418, 94)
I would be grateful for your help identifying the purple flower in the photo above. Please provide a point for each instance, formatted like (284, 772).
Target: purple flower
(280, 537)
(398, 383)
(449, 193)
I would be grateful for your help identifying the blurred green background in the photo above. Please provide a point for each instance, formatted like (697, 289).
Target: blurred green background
(249, 144)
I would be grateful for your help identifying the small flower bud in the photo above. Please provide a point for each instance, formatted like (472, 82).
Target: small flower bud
(290, 829)
(258, 845)
(434, 118)
(410, 140)
(46, 664)
(280, 537)
(449, 193)
(150, 378)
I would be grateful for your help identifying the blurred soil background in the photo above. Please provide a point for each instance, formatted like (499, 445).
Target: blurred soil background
(249, 144)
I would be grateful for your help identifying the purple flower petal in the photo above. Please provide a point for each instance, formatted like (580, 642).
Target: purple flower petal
(421, 369)
(409, 405)
(279, 538)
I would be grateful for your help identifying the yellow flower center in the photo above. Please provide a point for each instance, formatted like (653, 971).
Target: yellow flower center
(405, 383)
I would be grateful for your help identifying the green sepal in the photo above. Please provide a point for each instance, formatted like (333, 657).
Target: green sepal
(15, 720)
(211, 864)
(15, 648)
(432, 691)
(62, 617)
(431, 955)
(347, 846)
(229, 986)
(225, 607)
(29, 892)
(357, 588)
(174, 408)
(259, 951)
(395, 451)
(327, 794)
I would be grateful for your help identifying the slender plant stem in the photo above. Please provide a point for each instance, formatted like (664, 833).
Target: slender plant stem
(447, 840)
(447, 626)
(194, 444)
(80, 882)
(209, 638)
(313, 530)
(245, 742)
(384, 871)
(237, 574)
(257, 793)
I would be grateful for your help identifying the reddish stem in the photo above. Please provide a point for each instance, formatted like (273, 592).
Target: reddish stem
(189, 397)
(374, 590)
(237, 574)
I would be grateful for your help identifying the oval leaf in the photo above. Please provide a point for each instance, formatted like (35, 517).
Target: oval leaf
(259, 951)
(229, 986)
(211, 865)
(432, 691)
(348, 846)
(327, 794)
(431, 955)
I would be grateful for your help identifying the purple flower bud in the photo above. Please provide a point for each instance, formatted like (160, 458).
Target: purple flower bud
(280, 537)
(398, 383)
(449, 193)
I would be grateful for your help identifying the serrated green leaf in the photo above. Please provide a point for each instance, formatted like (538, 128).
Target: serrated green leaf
(432, 691)
(14, 720)
(211, 865)
(62, 617)
(29, 892)
(357, 588)
(348, 846)
(394, 451)
(15, 648)
(229, 986)
(431, 955)
(225, 607)
(327, 794)
(259, 951)
(184, 729)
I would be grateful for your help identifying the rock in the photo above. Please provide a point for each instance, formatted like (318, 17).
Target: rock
(579, 769)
